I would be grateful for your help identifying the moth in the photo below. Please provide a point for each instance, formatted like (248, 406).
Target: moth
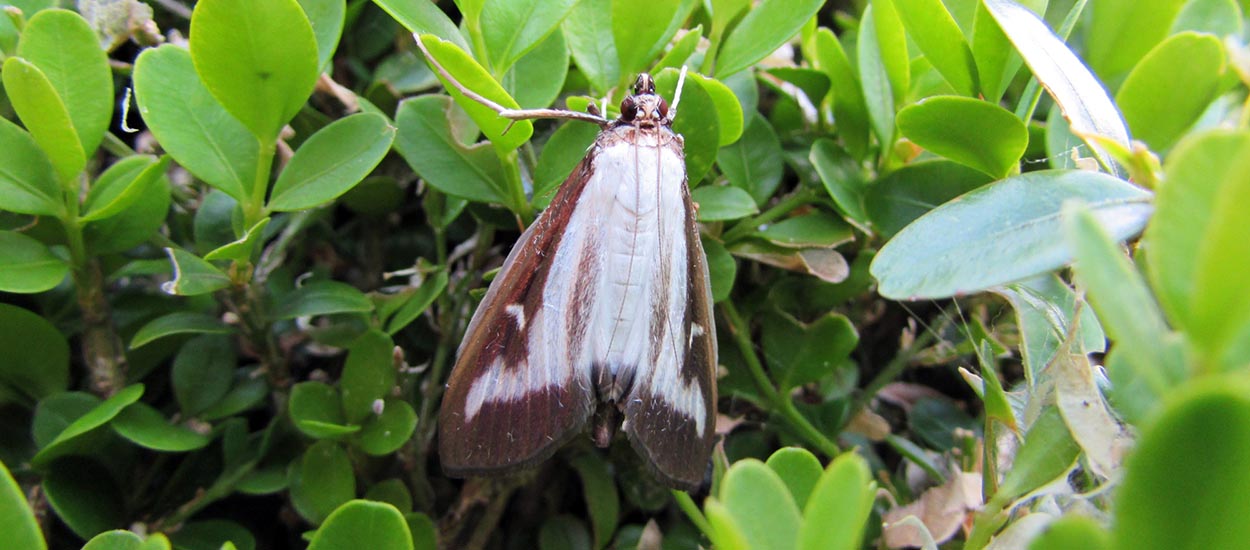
(601, 311)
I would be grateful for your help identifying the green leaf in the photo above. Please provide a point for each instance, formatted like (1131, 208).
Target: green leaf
(722, 268)
(385, 433)
(116, 190)
(1171, 498)
(44, 114)
(1171, 87)
(57, 411)
(85, 496)
(147, 427)
(506, 135)
(322, 298)
(179, 322)
(902, 196)
(332, 161)
(425, 140)
(798, 354)
(728, 109)
(258, 60)
(368, 375)
(316, 410)
(191, 125)
(248, 391)
(424, 18)
(679, 53)
(1072, 531)
(97, 417)
(1194, 233)
(754, 163)
(363, 524)
(934, 31)
(968, 131)
(117, 539)
(27, 181)
(192, 275)
(243, 248)
(17, 520)
(1218, 17)
(762, 30)
(815, 230)
(1077, 92)
(849, 109)
(511, 28)
(837, 512)
(721, 203)
(891, 42)
(537, 78)
(799, 469)
(565, 148)
(603, 502)
(840, 175)
(1048, 452)
(586, 27)
(419, 300)
(640, 33)
(65, 49)
(326, 17)
(563, 532)
(27, 266)
(213, 534)
(875, 79)
(392, 491)
(726, 533)
(761, 505)
(326, 482)
(135, 225)
(36, 359)
(1001, 233)
(997, 62)
(1045, 308)
(1122, 31)
(697, 122)
(202, 372)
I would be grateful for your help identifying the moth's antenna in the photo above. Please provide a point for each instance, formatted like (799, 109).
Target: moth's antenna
(681, 82)
(512, 114)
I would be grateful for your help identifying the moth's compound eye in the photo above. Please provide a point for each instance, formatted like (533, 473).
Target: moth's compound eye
(663, 109)
(629, 109)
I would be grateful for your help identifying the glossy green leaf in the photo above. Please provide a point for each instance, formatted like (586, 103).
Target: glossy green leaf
(728, 109)
(212, 534)
(815, 230)
(697, 121)
(1195, 232)
(392, 491)
(418, 301)
(1172, 498)
(95, 418)
(1072, 531)
(511, 28)
(85, 496)
(798, 354)
(117, 539)
(113, 193)
(840, 175)
(874, 75)
(327, 481)
(1078, 93)
(1001, 233)
(799, 469)
(258, 60)
(968, 131)
(27, 266)
(57, 411)
(27, 182)
(506, 135)
(537, 78)
(682, 48)
(363, 524)
(45, 115)
(424, 530)
(425, 140)
(997, 62)
(726, 531)
(563, 532)
(322, 298)
(1048, 452)
(754, 163)
(1122, 31)
(722, 202)
(147, 427)
(761, 506)
(1218, 17)
(761, 31)
(589, 22)
(385, 433)
(935, 33)
(192, 275)
(902, 196)
(191, 125)
(202, 372)
(243, 248)
(639, 33)
(332, 161)
(837, 512)
(247, 392)
(66, 50)
(1171, 87)
(849, 109)
(17, 520)
(424, 18)
(136, 225)
(368, 375)
(326, 17)
(566, 147)
(316, 410)
(722, 268)
(599, 491)
(1045, 308)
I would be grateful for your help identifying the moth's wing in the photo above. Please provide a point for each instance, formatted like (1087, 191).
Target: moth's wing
(508, 404)
(671, 417)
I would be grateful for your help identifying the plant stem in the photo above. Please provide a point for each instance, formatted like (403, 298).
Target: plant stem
(785, 206)
(102, 350)
(692, 511)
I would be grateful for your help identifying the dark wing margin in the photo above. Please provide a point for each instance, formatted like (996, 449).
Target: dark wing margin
(667, 439)
(505, 435)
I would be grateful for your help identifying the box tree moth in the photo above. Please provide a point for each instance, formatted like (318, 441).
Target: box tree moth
(601, 311)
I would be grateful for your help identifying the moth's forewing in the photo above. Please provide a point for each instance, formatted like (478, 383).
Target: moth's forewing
(526, 418)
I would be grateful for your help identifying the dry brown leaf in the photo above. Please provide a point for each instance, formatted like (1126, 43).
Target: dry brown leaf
(942, 509)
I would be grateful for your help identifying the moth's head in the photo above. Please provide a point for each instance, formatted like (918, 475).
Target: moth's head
(644, 109)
